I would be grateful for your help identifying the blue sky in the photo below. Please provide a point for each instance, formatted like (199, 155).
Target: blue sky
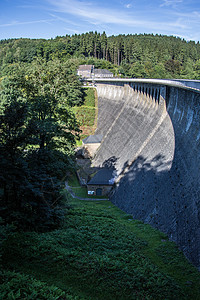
(51, 18)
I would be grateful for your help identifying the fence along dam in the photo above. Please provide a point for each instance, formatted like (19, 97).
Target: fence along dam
(151, 135)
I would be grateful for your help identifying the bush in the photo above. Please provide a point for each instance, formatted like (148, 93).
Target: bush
(19, 286)
(5, 232)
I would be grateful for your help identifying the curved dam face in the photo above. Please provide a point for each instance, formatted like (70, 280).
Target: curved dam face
(151, 135)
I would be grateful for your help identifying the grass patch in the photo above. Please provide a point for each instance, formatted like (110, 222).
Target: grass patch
(80, 191)
(75, 186)
(89, 99)
(14, 285)
(73, 180)
(79, 142)
(102, 253)
(86, 114)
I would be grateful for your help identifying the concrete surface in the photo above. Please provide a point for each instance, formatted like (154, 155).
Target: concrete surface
(151, 134)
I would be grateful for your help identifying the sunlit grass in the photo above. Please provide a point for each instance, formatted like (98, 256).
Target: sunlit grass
(102, 253)
(86, 114)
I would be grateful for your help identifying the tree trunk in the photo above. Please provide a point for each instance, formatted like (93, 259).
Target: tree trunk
(42, 140)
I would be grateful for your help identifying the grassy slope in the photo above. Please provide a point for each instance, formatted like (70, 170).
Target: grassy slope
(86, 114)
(102, 253)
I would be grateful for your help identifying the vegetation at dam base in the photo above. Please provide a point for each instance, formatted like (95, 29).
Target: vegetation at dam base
(86, 113)
(51, 246)
(99, 253)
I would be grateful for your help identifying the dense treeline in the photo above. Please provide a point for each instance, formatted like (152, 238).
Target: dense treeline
(38, 131)
(143, 55)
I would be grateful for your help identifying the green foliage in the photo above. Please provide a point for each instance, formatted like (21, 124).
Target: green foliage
(137, 55)
(72, 180)
(85, 115)
(98, 255)
(6, 230)
(89, 99)
(38, 133)
(197, 69)
(19, 286)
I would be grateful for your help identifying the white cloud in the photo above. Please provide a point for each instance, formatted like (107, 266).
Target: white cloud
(16, 23)
(97, 15)
(129, 5)
(92, 15)
(71, 30)
(65, 20)
(179, 23)
(172, 3)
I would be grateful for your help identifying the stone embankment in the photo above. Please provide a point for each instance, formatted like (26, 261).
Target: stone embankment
(151, 134)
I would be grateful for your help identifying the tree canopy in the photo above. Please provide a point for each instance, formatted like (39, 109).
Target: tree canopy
(133, 55)
(38, 132)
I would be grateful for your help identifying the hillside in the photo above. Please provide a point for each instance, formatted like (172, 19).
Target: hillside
(143, 55)
(99, 253)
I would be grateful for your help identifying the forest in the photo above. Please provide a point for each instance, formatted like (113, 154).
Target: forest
(53, 246)
(137, 55)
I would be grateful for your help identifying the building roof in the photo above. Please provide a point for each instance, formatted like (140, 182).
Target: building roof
(104, 176)
(93, 139)
(85, 67)
(102, 71)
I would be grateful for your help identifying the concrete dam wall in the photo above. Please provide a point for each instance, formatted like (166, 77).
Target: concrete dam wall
(151, 135)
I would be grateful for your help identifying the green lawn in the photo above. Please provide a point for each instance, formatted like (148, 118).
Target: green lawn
(99, 253)
(86, 114)
(73, 180)
(89, 97)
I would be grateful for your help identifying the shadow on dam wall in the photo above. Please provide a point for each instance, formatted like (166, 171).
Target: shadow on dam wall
(152, 133)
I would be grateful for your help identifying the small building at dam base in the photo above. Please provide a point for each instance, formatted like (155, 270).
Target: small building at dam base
(102, 182)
